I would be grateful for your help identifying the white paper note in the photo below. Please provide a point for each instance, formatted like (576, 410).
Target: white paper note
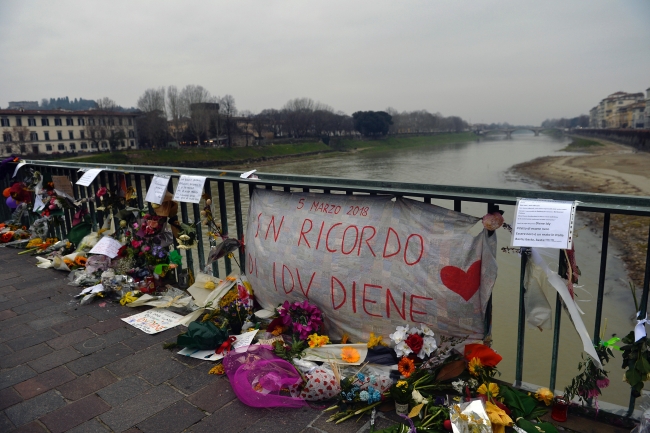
(38, 203)
(93, 289)
(243, 340)
(189, 189)
(245, 175)
(543, 223)
(154, 320)
(89, 176)
(106, 246)
(157, 189)
(20, 164)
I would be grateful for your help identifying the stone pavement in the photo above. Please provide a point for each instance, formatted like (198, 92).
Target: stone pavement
(65, 367)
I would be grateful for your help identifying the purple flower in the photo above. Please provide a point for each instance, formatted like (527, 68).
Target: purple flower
(602, 383)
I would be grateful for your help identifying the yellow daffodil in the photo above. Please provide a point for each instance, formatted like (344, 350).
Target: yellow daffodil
(315, 340)
(545, 395)
(375, 340)
(498, 417)
(491, 390)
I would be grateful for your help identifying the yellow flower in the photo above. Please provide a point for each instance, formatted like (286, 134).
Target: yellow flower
(498, 417)
(375, 341)
(34, 243)
(545, 395)
(209, 285)
(350, 354)
(316, 340)
(492, 389)
(345, 339)
(402, 383)
(128, 298)
(217, 369)
(474, 366)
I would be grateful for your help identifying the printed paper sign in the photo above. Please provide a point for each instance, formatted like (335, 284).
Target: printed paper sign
(369, 263)
(89, 176)
(543, 223)
(106, 246)
(189, 189)
(154, 320)
(209, 355)
(20, 164)
(63, 185)
(157, 189)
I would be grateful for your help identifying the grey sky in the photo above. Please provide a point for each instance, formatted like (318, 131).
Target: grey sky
(486, 61)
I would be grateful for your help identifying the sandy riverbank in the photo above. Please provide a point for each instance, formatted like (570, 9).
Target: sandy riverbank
(610, 169)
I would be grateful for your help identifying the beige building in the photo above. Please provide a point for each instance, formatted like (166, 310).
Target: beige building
(615, 111)
(57, 131)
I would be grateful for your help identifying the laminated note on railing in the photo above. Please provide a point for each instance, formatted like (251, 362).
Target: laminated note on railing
(157, 189)
(189, 189)
(543, 223)
(89, 176)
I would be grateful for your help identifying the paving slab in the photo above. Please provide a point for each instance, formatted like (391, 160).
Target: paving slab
(9, 397)
(5, 424)
(44, 382)
(15, 375)
(194, 379)
(99, 359)
(34, 408)
(92, 426)
(74, 414)
(163, 371)
(74, 324)
(32, 339)
(214, 396)
(84, 385)
(70, 339)
(234, 417)
(138, 361)
(105, 340)
(174, 419)
(123, 390)
(54, 359)
(32, 427)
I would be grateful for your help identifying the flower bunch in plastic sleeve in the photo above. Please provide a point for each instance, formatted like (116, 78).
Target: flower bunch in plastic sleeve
(302, 318)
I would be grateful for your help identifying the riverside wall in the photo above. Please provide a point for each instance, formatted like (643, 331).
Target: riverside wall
(637, 138)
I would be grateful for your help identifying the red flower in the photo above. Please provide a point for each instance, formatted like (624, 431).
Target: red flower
(102, 191)
(487, 356)
(414, 342)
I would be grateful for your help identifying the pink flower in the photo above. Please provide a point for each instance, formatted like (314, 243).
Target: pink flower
(102, 191)
(602, 383)
(146, 248)
(136, 244)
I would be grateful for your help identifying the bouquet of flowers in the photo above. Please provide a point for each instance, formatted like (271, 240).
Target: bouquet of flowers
(301, 318)
(414, 341)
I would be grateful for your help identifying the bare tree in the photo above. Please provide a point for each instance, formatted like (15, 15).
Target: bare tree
(174, 111)
(152, 100)
(229, 110)
(106, 104)
(18, 137)
(193, 95)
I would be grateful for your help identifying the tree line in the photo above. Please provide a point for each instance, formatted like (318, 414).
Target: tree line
(574, 122)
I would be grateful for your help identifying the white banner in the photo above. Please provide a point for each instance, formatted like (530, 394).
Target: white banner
(370, 263)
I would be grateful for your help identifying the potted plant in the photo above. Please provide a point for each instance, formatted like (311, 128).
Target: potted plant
(401, 393)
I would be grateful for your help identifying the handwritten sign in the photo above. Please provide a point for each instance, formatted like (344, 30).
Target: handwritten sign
(89, 176)
(370, 263)
(106, 246)
(63, 185)
(543, 223)
(154, 320)
(243, 340)
(189, 189)
(157, 189)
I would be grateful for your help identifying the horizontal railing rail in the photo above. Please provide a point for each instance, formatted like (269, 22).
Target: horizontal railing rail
(230, 204)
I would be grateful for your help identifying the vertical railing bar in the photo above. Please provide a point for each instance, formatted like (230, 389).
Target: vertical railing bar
(562, 271)
(224, 219)
(427, 200)
(251, 188)
(287, 189)
(457, 205)
(188, 252)
(138, 189)
(67, 216)
(521, 326)
(269, 187)
(199, 235)
(305, 190)
(240, 225)
(215, 265)
(601, 278)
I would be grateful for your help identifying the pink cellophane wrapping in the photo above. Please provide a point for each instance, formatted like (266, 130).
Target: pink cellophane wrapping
(261, 379)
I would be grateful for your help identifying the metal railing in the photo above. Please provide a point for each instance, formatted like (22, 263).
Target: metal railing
(228, 196)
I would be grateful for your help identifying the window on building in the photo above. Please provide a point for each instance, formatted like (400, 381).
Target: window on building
(57, 121)
(120, 121)
(21, 136)
(6, 137)
(35, 148)
(71, 135)
(19, 121)
(68, 121)
(47, 135)
(104, 145)
(91, 121)
(81, 121)
(132, 143)
(92, 134)
(73, 146)
(31, 121)
(93, 145)
(45, 121)
(33, 136)
(48, 147)
(61, 146)
(103, 133)
(4, 121)
(111, 121)
(84, 145)
(131, 133)
(59, 135)
(130, 121)
(102, 121)
(82, 134)
(122, 143)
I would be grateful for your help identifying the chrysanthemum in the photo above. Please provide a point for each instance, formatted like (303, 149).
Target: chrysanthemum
(474, 366)
(350, 354)
(406, 367)
(545, 395)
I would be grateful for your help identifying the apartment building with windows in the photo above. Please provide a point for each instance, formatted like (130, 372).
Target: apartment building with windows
(57, 131)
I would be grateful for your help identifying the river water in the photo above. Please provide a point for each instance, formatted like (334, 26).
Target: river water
(486, 163)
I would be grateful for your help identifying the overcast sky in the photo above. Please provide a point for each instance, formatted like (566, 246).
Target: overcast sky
(486, 61)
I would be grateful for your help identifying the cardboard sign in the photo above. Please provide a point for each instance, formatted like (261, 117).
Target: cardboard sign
(154, 320)
(89, 176)
(106, 246)
(189, 189)
(157, 189)
(369, 263)
(63, 185)
(543, 223)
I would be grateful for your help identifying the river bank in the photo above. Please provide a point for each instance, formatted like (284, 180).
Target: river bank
(607, 168)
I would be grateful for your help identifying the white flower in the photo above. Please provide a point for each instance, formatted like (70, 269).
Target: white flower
(426, 331)
(418, 398)
(399, 335)
(459, 386)
(184, 237)
(402, 349)
(414, 330)
(429, 346)
(473, 383)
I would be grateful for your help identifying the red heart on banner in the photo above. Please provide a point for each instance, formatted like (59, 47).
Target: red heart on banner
(466, 284)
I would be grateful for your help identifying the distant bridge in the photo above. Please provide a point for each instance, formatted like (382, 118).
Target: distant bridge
(508, 131)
